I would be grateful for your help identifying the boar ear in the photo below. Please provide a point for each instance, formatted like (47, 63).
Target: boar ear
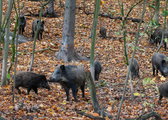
(62, 67)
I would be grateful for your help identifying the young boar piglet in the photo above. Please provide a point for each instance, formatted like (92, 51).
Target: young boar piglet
(30, 81)
(160, 63)
(22, 24)
(163, 91)
(38, 26)
(134, 68)
(98, 69)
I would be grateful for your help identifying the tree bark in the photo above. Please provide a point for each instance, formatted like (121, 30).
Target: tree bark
(92, 88)
(6, 44)
(5, 58)
(1, 4)
(157, 9)
(67, 51)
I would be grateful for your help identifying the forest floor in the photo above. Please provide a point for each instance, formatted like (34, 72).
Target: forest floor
(110, 52)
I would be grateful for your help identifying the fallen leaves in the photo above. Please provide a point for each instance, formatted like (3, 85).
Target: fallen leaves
(52, 104)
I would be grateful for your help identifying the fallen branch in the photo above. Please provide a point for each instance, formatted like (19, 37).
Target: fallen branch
(41, 50)
(112, 17)
(142, 117)
(32, 14)
(149, 115)
(89, 115)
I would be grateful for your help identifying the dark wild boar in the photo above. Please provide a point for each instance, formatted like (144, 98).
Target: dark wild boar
(160, 62)
(134, 68)
(30, 81)
(38, 26)
(102, 32)
(163, 91)
(22, 24)
(70, 77)
(98, 69)
(156, 37)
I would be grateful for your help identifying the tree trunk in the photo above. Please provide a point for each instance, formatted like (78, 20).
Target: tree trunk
(92, 90)
(92, 87)
(50, 10)
(6, 44)
(1, 4)
(5, 57)
(67, 51)
(156, 15)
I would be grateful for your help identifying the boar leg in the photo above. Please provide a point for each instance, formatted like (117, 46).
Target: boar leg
(153, 70)
(35, 90)
(160, 98)
(156, 71)
(28, 90)
(83, 90)
(40, 35)
(74, 92)
(165, 45)
(21, 31)
(138, 74)
(97, 77)
(32, 34)
(18, 90)
(67, 92)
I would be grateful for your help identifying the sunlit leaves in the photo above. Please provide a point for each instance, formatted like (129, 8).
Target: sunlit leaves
(147, 81)
(165, 13)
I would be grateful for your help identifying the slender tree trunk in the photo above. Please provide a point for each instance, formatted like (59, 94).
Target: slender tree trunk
(124, 19)
(90, 77)
(157, 9)
(92, 90)
(165, 26)
(91, 81)
(35, 39)
(67, 51)
(6, 44)
(5, 56)
(1, 4)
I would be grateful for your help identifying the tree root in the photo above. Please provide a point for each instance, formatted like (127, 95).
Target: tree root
(73, 56)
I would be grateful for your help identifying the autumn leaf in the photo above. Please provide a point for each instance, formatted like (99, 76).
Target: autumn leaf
(102, 2)
(162, 78)
(95, 114)
(136, 94)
